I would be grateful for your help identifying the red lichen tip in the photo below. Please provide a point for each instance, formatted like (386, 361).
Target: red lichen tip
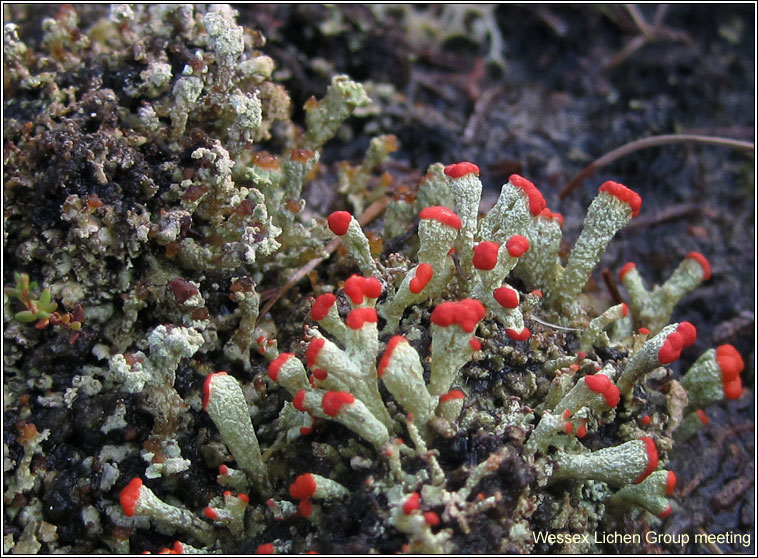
(548, 214)
(267, 548)
(506, 297)
(457, 170)
(207, 387)
(357, 318)
(334, 400)
(304, 487)
(733, 389)
(652, 458)
(320, 374)
(444, 215)
(517, 245)
(387, 356)
(475, 344)
(702, 417)
(485, 255)
(431, 518)
(612, 396)
(536, 201)
(671, 349)
(223, 470)
(321, 306)
(465, 313)
(626, 268)
(646, 420)
(597, 382)
(688, 333)
(357, 287)
(339, 221)
(276, 365)
(701, 259)
(311, 353)
(624, 309)
(452, 395)
(129, 495)
(600, 383)
(412, 503)
(581, 432)
(210, 513)
(670, 483)
(624, 194)
(305, 508)
(299, 401)
(684, 336)
(665, 513)
(424, 274)
(643, 331)
(522, 335)
(730, 362)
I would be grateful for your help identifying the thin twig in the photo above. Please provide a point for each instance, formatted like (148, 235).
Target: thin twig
(652, 141)
(639, 20)
(635, 44)
(712, 546)
(371, 213)
(554, 326)
(671, 213)
(610, 284)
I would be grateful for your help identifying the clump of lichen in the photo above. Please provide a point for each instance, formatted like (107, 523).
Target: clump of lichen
(152, 173)
(461, 396)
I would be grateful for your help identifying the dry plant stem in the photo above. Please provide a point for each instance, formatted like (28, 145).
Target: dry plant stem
(639, 20)
(653, 141)
(372, 212)
(712, 546)
(671, 213)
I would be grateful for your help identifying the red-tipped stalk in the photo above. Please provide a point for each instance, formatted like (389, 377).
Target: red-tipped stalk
(627, 463)
(358, 289)
(403, 375)
(137, 499)
(614, 206)
(324, 312)
(288, 371)
(452, 325)
(463, 180)
(662, 349)
(344, 225)
(451, 404)
(653, 309)
(225, 403)
(651, 494)
(713, 377)
(309, 486)
(438, 229)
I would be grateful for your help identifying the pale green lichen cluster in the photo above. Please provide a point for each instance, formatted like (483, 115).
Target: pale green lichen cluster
(217, 216)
